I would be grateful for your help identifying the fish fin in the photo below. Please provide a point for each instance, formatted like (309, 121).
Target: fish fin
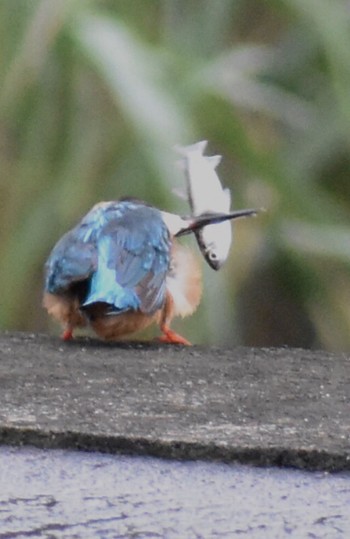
(213, 160)
(196, 147)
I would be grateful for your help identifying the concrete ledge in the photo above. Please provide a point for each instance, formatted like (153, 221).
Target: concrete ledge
(283, 407)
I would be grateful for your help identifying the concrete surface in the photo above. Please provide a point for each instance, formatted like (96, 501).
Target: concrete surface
(78, 495)
(279, 407)
(287, 408)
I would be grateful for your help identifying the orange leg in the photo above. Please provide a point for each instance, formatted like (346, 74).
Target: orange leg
(169, 336)
(67, 335)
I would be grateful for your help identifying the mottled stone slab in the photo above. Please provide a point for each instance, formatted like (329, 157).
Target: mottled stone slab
(285, 407)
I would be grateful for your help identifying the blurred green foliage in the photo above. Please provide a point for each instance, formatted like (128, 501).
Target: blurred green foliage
(95, 94)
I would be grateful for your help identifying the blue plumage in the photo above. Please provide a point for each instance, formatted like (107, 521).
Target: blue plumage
(121, 269)
(119, 255)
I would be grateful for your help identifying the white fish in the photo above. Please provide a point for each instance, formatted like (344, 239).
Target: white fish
(206, 195)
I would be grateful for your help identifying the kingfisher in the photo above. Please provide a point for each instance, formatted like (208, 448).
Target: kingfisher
(122, 268)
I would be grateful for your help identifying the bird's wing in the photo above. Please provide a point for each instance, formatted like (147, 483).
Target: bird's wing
(133, 252)
(75, 256)
(72, 260)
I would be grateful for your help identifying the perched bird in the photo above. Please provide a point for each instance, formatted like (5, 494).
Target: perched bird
(121, 269)
(206, 194)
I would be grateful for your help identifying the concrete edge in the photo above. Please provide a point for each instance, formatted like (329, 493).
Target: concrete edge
(302, 459)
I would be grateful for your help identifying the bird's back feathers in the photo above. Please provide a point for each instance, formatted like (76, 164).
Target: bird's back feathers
(120, 251)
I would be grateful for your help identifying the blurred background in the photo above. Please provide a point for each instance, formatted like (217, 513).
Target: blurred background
(95, 94)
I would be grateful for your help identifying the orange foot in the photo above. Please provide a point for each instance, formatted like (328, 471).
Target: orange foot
(67, 335)
(169, 336)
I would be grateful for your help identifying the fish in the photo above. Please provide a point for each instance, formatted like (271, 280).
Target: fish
(206, 195)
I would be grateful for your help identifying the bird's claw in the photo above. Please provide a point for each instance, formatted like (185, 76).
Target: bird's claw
(171, 337)
(67, 335)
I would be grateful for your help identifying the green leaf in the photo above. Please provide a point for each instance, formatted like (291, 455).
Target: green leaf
(135, 77)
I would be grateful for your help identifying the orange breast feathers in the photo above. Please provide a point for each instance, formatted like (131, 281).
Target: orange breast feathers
(184, 281)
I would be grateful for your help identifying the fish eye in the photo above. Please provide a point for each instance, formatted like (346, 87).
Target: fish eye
(212, 256)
